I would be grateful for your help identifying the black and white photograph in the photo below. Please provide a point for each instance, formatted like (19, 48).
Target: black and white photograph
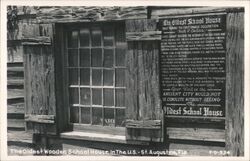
(122, 81)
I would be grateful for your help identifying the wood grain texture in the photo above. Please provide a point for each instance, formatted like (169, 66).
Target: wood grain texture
(202, 134)
(39, 80)
(142, 94)
(17, 108)
(15, 93)
(147, 124)
(15, 54)
(15, 81)
(41, 40)
(163, 12)
(14, 136)
(235, 84)
(89, 13)
(17, 124)
(143, 100)
(145, 135)
(39, 77)
(142, 36)
(46, 119)
(131, 83)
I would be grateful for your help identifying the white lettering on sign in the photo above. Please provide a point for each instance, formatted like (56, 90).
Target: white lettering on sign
(208, 112)
(192, 111)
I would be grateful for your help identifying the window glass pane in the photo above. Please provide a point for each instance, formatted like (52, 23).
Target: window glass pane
(96, 36)
(85, 115)
(85, 76)
(108, 77)
(120, 57)
(120, 117)
(84, 37)
(96, 57)
(109, 117)
(74, 114)
(108, 95)
(73, 57)
(73, 76)
(108, 57)
(73, 39)
(73, 96)
(85, 96)
(97, 116)
(120, 97)
(120, 77)
(97, 77)
(120, 35)
(97, 96)
(108, 36)
(84, 57)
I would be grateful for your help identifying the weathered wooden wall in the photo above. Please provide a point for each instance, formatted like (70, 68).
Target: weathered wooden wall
(26, 28)
(15, 86)
(235, 84)
(198, 136)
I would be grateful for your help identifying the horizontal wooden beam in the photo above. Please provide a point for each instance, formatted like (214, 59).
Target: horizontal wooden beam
(17, 124)
(15, 82)
(19, 138)
(26, 16)
(144, 124)
(47, 119)
(145, 135)
(141, 36)
(13, 43)
(15, 93)
(15, 100)
(37, 41)
(166, 12)
(15, 111)
(201, 134)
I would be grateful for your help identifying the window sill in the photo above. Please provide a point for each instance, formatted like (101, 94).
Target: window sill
(94, 137)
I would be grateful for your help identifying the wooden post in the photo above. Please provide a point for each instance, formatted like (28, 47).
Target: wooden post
(235, 84)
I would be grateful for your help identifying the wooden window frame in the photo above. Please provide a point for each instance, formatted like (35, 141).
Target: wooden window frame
(62, 51)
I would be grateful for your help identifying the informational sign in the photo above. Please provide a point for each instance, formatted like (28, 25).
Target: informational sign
(193, 65)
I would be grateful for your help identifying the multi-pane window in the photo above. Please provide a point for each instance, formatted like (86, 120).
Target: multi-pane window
(96, 74)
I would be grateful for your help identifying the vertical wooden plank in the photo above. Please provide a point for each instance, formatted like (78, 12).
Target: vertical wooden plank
(235, 84)
(49, 80)
(131, 83)
(148, 80)
(27, 56)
